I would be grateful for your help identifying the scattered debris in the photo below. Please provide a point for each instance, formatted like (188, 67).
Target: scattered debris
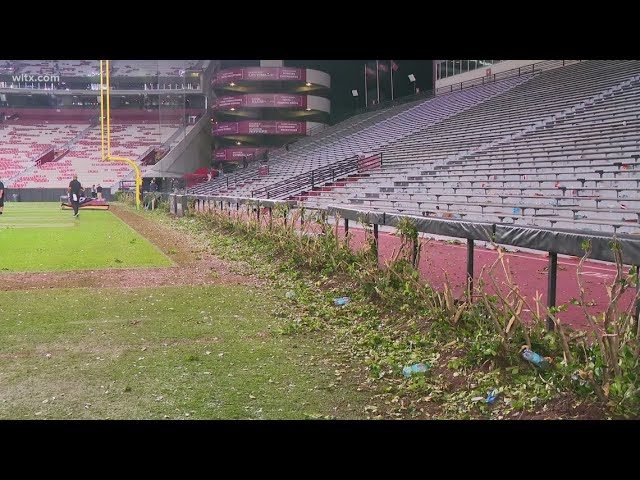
(339, 302)
(536, 359)
(416, 368)
(491, 396)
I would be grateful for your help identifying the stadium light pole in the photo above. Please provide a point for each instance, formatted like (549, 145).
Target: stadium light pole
(104, 74)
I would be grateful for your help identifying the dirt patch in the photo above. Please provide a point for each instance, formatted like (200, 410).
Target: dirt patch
(566, 408)
(194, 265)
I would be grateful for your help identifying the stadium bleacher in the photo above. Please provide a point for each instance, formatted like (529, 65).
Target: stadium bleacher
(23, 143)
(554, 149)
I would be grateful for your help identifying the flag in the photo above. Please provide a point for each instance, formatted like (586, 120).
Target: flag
(394, 66)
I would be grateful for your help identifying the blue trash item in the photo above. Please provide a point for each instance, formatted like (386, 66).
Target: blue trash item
(533, 357)
(339, 302)
(516, 211)
(491, 396)
(413, 369)
(290, 294)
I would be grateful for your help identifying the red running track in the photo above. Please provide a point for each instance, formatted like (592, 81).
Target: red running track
(529, 272)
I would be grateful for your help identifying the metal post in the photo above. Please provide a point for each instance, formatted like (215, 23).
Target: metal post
(470, 248)
(346, 227)
(551, 290)
(270, 218)
(375, 238)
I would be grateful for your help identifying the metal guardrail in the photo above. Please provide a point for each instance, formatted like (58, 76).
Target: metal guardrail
(553, 241)
(423, 95)
(318, 177)
(532, 68)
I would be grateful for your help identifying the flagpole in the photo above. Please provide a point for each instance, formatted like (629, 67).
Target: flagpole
(391, 67)
(366, 100)
(378, 80)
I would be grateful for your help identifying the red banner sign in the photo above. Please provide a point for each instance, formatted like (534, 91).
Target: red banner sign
(237, 153)
(260, 128)
(261, 101)
(225, 77)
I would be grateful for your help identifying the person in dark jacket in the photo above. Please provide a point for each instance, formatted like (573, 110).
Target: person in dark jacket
(1, 197)
(75, 190)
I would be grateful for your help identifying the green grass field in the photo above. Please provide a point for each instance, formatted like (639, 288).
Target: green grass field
(180, 352)
(42, 237)
(204, 352)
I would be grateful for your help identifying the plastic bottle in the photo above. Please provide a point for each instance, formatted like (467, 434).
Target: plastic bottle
(413, 369)
(491, 396)
(341, 301)
(534, 358)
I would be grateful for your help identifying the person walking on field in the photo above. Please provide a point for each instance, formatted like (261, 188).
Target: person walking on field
(1, 197)
(75, 189)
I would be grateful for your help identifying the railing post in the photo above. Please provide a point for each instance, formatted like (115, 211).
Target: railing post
(270, 218)
(563, 63)
(346, 227)
(375, 239)
(518, 71)
(551, 290)
(227, 182)
(470, 248)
